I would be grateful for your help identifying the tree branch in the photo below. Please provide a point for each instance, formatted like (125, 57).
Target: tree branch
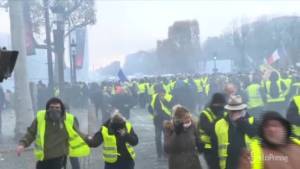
(75, 7)
(76, 27)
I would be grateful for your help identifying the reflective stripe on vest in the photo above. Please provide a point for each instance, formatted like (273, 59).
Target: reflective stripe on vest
(296, 129)
(288, 84)
(166, 87)
(77, 146)
(172, 85)
(204, 137)
(254, 96)
(204, 80)
(164, 108)
(210, 115)
(207, 89)
(221, 130)
(110, 151)
(280, 98)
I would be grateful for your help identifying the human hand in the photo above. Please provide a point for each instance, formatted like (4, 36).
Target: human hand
(20, 149)
(236, 115)
(122, 132)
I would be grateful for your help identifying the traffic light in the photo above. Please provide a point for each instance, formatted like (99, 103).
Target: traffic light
(7, 63)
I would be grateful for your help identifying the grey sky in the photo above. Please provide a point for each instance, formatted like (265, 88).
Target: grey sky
(128, 26)
(124, 27)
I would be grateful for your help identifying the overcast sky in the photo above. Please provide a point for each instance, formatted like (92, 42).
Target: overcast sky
(124, 27)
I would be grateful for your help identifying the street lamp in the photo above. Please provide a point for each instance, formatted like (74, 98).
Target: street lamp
(215, 70)
(73, 60)
(59, 10)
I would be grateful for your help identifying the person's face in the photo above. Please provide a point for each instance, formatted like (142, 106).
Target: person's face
(54, 112)
(187, 119)
(55, 107)
(275, 132)
(231, 89)
(235, 114)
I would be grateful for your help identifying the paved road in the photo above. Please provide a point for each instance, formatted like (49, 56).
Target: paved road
(143, 126)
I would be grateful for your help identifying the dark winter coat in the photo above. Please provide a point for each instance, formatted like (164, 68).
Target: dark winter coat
(182, 148)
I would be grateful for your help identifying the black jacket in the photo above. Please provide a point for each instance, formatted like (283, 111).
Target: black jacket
(130, 138)
(236, 139)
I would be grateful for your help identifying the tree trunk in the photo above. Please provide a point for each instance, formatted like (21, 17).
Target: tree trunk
(23, 107)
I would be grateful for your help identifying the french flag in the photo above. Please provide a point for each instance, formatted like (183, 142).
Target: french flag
(273, 58)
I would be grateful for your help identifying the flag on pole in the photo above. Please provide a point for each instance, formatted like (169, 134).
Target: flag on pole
(122, 76)
(273, 58)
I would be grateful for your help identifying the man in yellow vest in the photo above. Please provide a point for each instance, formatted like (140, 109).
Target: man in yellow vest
(288, 81)
(233, 132)
(118, 138)
(293, 115)
(142, 91)
(255, 97)
(275, 90)
(56, 136)
(160, 109)
(207, 120)
(295, 89)
(275, 148)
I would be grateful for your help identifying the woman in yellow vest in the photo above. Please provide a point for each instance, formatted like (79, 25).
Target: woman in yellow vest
(118, 139)
(56, 136)
(275, 148)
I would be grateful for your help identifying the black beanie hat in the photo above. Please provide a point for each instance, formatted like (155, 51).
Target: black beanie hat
(218, 98)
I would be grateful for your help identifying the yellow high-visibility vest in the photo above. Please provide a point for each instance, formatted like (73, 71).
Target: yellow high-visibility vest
(165, 109)
(77, 146)
(295, 128)
(204, 80)
(142, 88)
(151, 89)
(110, 151)
(198, 83)
(280, 98)
(288, 83)
(254, 96)
(204, 137)
(172, 84)
(257, 154)
(167, 88)
(222, 130)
